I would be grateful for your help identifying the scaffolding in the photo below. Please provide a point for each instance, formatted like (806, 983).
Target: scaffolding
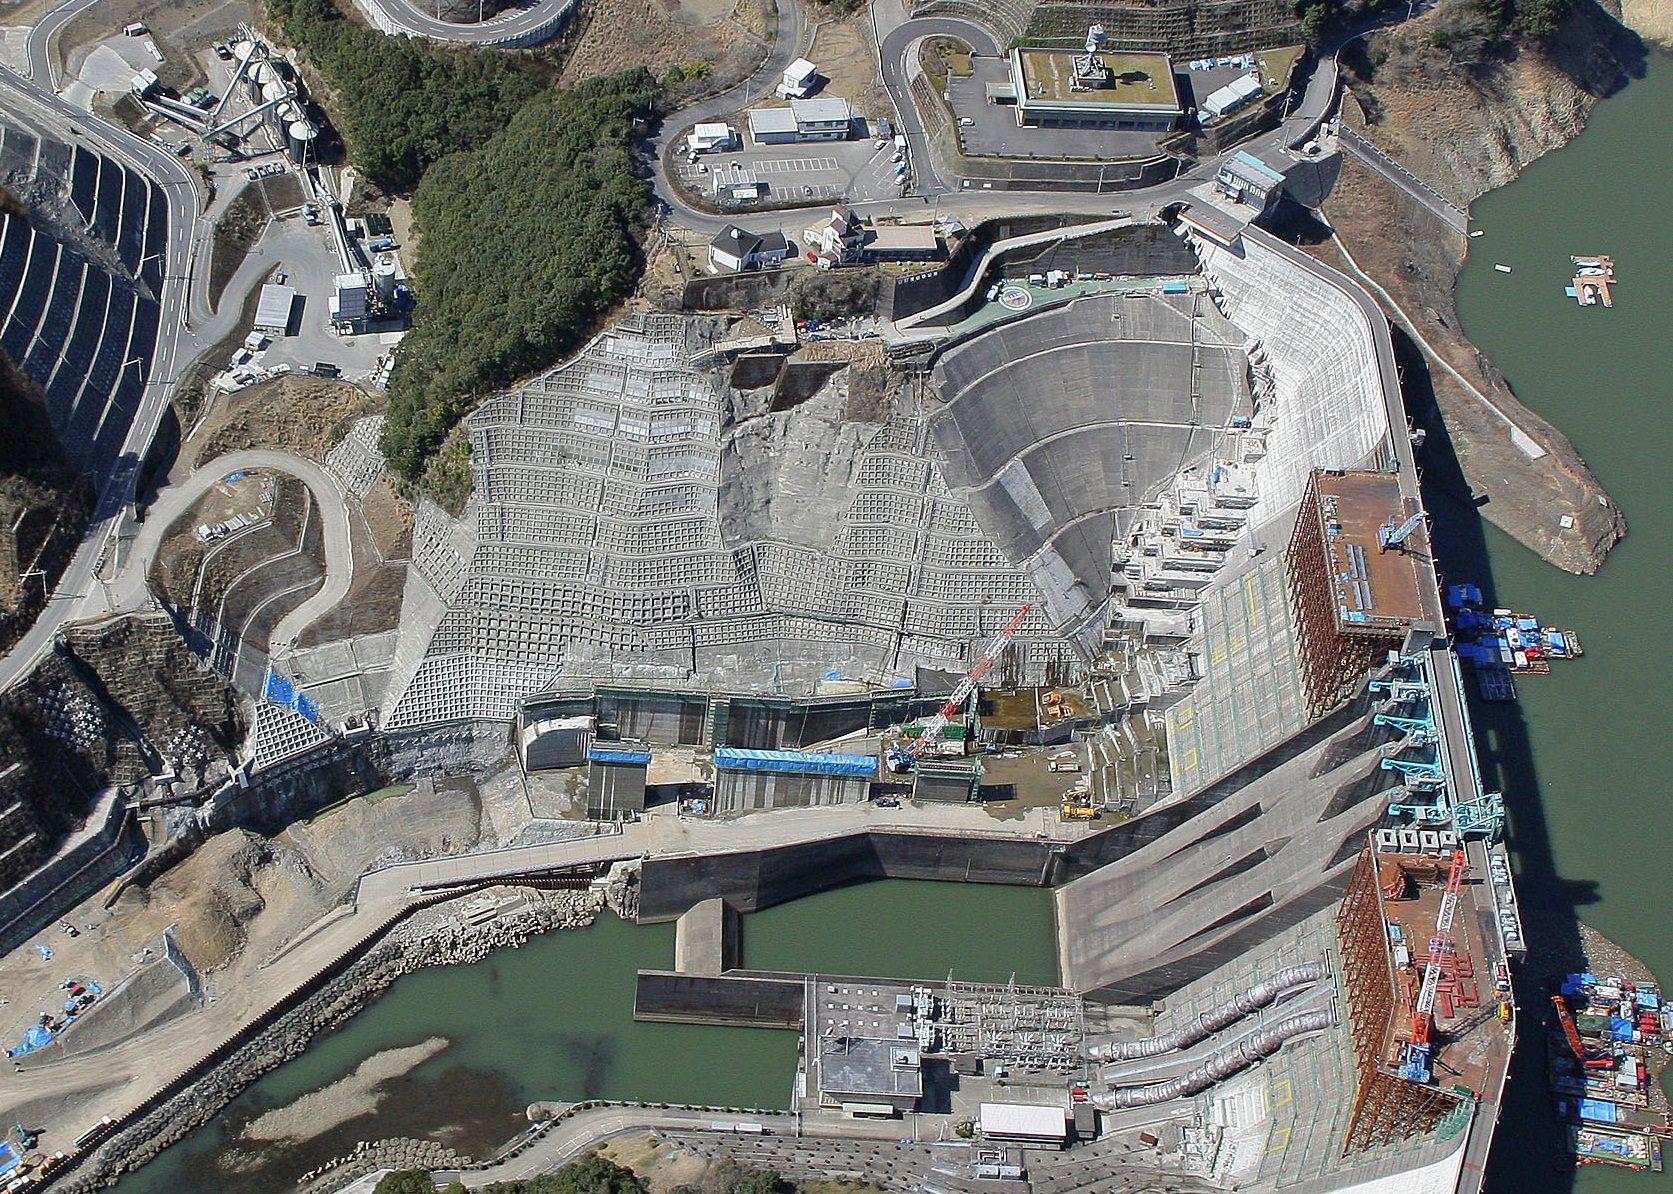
(1341, 632)
(1386, 1109)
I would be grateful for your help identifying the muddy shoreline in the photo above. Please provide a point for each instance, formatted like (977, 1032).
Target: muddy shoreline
(431, 937)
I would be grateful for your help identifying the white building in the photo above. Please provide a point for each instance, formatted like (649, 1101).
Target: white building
(712, 137)
(273, 309)
(799, 78)
(1230, 97)
(835, 239)
(823, 119)
(733, 249)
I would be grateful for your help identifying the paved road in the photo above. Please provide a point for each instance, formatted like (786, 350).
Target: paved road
(894, 54)
(664, 833)
(128, 592)
(40, 41)
(524, 25)
(25, 100)
(588, 1129)
(1432, 200)
(943, 195)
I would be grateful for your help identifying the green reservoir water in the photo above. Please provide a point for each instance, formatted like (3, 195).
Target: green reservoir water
(1583, 759)
(554, 1020)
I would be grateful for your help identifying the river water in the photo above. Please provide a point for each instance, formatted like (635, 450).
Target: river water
(554, 1020)
(1583, 757)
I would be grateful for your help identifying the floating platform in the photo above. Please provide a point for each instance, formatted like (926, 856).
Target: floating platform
(1594, 275)
(1600, 1146)
(1504, 640)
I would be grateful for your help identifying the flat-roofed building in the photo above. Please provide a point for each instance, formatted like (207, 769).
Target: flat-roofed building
(1244, 178)
(799, 78)
(869, 1077)
(1101, 89)
(712, 137)
(754, 779)
(1026, 1123)
(828, 118)
(903, 242)
(616, 779)
(273, 309)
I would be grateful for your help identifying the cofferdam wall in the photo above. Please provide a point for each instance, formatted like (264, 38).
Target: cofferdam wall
(751, 880)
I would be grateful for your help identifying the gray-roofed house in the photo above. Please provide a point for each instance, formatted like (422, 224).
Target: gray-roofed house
(735, 249)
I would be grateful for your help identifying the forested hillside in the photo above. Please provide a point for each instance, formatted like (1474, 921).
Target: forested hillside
(527, 240)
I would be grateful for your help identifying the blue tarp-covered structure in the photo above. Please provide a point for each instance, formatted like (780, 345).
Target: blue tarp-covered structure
(793, 762)
(618, 754)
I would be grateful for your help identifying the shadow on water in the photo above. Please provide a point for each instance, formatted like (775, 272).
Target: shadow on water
(1529, 1137)
(594, 1058)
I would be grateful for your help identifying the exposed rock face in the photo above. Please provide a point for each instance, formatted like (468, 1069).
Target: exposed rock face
(1465, 130)
(1650, 19)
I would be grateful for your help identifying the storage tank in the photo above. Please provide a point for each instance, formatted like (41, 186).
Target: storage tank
(383, 277)
(273, 89)
(258, 76)
(288, 113)
(300, 138)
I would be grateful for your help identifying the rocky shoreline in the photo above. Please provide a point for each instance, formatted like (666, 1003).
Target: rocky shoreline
(432, 937)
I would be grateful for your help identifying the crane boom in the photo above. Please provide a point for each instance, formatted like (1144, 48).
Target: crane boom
(1441, 947)
(1393, 536)
(1566, 1019)
(961, 692)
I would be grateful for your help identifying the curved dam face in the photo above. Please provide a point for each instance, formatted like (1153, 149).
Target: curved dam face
(1059, 425)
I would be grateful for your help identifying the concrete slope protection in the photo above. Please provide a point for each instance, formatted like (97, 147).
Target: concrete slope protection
(49, 115)
(78, 280)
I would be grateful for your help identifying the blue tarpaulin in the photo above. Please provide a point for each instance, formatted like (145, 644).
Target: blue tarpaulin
(9, 1157)
(618, 754)
(36, 1038)
(1600, 1111)
(279, 690)
(1620, 1029)
(793, 762)
(1648, 999)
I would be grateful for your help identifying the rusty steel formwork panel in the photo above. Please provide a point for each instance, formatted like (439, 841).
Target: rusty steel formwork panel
(1332, 664)
(1386, 1108)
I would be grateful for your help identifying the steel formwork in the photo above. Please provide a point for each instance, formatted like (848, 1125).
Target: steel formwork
(1332, 662)
(1386, 1108)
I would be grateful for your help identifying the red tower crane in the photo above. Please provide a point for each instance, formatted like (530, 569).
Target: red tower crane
(1416, 1064)
(954, 704)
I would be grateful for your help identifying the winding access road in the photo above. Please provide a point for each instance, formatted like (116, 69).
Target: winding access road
(128, 592)
(522, 25)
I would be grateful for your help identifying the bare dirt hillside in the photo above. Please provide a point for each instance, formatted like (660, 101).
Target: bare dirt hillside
(1465, 130)
(719, 41)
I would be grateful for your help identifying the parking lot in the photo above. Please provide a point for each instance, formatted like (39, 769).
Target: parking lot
(809, 172)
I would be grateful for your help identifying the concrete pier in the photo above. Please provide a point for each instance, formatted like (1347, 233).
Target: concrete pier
(706, 938)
